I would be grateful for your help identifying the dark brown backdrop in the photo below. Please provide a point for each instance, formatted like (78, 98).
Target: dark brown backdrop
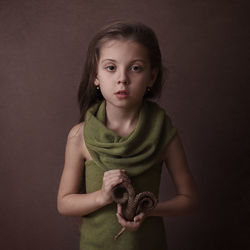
(42, 49)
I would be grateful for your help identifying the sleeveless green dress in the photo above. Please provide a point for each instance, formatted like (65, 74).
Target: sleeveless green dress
(137, 154)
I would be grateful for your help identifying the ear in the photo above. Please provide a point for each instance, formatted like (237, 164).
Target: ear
(154, 74)
(96, 82)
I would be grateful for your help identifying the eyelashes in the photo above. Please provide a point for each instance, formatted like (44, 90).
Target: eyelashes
(110, 68)
(136, 68)
(133, 68)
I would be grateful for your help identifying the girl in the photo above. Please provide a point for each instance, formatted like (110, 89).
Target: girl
(122, 136)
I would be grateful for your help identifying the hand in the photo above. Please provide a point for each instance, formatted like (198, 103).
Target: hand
(110, 179)
(130, 225)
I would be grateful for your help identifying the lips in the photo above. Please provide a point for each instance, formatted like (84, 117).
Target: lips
(122, 93)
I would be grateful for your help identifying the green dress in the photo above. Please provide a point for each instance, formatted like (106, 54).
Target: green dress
(137, 154)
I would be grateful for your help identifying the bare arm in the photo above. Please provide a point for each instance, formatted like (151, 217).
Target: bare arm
(186, 199)
(69, 200)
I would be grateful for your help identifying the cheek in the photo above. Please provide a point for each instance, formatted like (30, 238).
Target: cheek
(138, 90)
(105, 77)
(142, 81)
(106, 89)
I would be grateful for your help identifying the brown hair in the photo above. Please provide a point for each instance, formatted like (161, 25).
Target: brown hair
(135, 31)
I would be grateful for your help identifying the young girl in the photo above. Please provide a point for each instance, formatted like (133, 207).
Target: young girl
(122, 136)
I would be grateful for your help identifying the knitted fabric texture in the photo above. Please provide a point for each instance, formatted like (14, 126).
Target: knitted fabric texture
(138, 154)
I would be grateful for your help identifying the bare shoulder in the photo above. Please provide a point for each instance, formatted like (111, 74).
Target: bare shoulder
(76, 132)
(76, 139)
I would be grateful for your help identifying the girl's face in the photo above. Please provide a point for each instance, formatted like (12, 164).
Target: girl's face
(124, 73)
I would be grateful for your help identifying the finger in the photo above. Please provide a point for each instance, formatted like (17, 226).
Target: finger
(128, 224)
(134, 228)
(116, 175)
(114, 171)
(131, 226)
(109, 184)
(114, 180)
(139, 217)
(121, 220)
(119, 209)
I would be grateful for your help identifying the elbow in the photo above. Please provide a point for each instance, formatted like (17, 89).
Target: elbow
(65, 207)
(61, 211)
(192, 204)
(61, 208)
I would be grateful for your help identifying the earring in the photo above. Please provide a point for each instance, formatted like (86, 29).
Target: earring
(97, 87)
(149, 89)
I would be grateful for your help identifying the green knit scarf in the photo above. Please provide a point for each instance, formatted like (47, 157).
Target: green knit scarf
(136, 152)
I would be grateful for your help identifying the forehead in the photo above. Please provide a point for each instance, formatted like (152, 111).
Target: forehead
(123, 49)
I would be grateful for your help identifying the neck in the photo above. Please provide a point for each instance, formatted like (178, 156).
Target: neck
(120, 120)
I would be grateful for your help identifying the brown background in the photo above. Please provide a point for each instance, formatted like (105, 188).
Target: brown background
(42, 49)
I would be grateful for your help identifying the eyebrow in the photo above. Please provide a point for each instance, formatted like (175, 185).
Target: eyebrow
(135, 60)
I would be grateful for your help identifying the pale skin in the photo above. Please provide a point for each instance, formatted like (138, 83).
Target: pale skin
(123, 65)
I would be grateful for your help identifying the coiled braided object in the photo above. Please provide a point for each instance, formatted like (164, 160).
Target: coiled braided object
(132, 204)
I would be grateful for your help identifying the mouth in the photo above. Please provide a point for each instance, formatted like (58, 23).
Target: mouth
(122, 93)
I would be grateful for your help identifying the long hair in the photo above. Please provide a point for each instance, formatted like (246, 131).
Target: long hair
(130, 30)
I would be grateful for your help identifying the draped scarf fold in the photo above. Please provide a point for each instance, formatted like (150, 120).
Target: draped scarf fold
(137, 152)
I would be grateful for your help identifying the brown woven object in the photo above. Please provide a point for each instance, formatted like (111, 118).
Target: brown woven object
(132, 204)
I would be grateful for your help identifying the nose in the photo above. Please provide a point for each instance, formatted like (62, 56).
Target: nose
(123, 81)
(123, 78)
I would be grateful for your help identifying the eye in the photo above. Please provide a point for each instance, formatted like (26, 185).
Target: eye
(136, 68)
(110, 68)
